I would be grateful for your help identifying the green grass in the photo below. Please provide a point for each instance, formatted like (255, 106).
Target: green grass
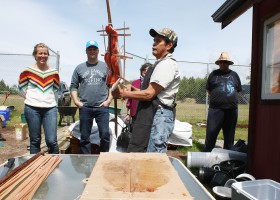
(199, 133)
(15, 115)
(187, 111)
(197, 113)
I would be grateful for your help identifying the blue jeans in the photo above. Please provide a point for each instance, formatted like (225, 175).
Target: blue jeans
(101, 116)
(35, 118)
(162, 128)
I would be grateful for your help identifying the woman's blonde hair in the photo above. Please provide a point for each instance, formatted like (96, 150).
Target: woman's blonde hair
(40, 45)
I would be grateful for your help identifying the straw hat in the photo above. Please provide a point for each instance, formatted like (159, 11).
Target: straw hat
(224, 57)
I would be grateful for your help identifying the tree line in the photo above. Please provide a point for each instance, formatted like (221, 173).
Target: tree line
(4, 88)
(193, 88)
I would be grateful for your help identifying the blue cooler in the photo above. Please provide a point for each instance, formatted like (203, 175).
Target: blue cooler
(6, 114)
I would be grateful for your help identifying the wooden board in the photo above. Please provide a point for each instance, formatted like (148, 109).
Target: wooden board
(134, 176)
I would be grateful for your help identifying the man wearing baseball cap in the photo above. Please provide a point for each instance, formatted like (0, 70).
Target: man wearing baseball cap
(156, 109)
(90, 77)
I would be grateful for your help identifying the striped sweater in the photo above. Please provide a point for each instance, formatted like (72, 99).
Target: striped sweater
(39, 87)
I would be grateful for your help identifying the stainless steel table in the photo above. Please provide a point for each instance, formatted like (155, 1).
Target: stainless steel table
(66, 181)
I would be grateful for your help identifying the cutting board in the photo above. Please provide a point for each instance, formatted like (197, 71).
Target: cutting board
(134, 176)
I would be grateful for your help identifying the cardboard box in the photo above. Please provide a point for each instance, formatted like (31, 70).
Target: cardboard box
(256, 189)
(21, 131)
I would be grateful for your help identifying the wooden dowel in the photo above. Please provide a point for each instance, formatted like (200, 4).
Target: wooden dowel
(37, 173)
(20, 167)
(124, 79)
(121, 56)
(119, 34)
(118, 29)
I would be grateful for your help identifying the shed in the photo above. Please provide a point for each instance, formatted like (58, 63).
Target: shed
(264, 112)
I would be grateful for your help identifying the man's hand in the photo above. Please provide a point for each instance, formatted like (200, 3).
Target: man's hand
(126, 118)
(129, 87)
(79, 104)
(105, 103)
(117, 93)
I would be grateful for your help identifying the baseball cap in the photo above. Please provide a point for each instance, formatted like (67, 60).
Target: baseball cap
(91, 43)
(165, 32)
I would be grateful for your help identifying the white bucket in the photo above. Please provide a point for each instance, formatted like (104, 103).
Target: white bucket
(197, 159)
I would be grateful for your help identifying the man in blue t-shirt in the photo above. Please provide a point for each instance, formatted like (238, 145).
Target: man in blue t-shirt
(223, 86)
(94, 100)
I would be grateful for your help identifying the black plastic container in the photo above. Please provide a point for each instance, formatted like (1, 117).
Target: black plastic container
(233, 167)
(205, 174)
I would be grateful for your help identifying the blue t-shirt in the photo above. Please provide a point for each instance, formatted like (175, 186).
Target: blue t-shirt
(91, 78)
(223, 88)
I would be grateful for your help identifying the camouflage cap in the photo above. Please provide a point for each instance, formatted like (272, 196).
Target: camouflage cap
(165, 32)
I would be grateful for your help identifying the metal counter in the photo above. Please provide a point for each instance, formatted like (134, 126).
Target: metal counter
(66, 181)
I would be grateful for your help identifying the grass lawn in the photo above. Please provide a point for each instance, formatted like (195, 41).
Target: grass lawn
(187, 111)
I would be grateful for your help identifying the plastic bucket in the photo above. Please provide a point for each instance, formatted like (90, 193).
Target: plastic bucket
(197, 159)
(6, 115)
(23, 119)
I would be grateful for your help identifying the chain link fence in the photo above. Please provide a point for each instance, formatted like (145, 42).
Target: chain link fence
(11, 65)
(192, 99)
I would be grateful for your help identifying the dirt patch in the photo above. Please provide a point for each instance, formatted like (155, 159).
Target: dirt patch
(172, 151)
(11, 147)
(242, 126)
(177, 154)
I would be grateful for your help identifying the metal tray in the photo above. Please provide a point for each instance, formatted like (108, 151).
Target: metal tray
(67, 181)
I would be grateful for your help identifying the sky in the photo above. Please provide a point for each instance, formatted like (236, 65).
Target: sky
(66, 25)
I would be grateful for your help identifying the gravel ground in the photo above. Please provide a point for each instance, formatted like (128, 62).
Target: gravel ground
(11, 147)
(219, 143)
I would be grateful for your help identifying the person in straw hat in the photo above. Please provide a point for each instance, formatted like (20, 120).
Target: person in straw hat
(222, 86)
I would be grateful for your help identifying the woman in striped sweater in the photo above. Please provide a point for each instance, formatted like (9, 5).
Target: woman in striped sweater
(38, 84)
